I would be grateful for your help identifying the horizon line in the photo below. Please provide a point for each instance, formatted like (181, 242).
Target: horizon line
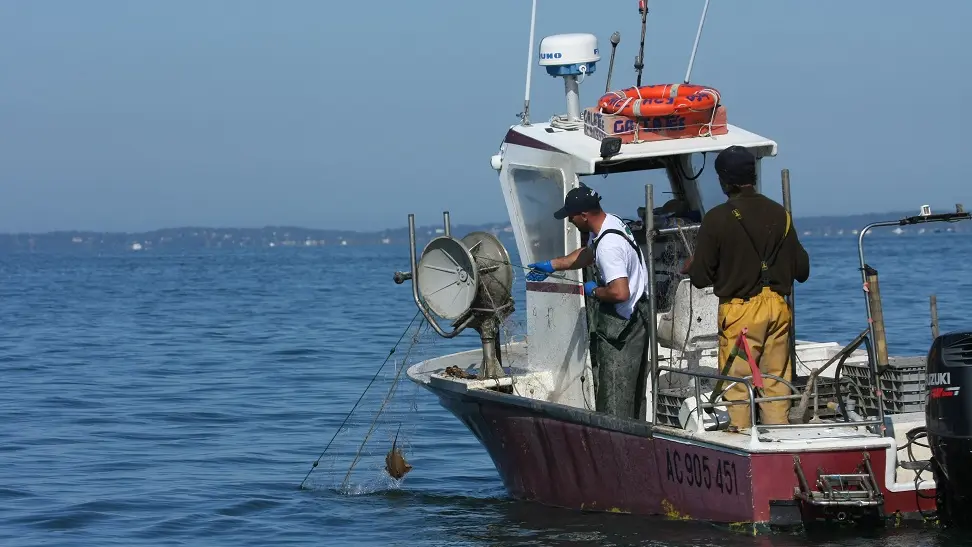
(894, 214)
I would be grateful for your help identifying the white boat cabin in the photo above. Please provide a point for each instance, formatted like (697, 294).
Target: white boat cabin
(538, 165)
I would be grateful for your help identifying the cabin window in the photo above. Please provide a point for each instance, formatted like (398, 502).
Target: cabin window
(709, 189)
(539, 192)
(623, 193)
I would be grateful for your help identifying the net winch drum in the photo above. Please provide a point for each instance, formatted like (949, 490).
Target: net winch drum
(469, 281)
(948, 421)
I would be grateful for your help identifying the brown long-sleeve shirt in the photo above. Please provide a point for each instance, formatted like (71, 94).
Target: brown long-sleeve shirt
(725, 258)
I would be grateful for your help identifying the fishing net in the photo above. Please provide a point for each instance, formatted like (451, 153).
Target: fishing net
(671, 251)
(353, 462)
(387, 414)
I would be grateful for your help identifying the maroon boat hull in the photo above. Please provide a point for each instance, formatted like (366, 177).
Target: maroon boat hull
(570, 458)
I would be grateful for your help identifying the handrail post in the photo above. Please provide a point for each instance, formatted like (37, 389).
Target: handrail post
(791, 299)
(753, 437)
(872, 348)
(652, 340)
(700, 426)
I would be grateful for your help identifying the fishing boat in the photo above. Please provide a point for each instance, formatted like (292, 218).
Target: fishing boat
(851, 451)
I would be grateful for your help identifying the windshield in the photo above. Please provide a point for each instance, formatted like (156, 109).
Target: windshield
(708, 181)
(623, 193)
(539, 192)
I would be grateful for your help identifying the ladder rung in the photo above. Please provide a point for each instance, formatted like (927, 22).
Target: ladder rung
(861, 476)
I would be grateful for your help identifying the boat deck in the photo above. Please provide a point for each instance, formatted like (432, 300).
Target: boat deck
(531, 388)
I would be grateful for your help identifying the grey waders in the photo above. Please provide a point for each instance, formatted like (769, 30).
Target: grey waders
(618, 346)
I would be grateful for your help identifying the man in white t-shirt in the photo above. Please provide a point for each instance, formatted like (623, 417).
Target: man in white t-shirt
(620, 307)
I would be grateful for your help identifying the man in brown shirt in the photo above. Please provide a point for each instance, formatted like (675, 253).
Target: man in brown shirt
(748, 251)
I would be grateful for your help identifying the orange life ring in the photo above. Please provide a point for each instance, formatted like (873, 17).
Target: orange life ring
(659, 100)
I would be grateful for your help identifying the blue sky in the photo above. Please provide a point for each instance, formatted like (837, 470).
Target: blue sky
(131, 115)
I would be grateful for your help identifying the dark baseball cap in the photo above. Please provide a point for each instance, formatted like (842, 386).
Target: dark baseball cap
(736, 165)
(579, 200)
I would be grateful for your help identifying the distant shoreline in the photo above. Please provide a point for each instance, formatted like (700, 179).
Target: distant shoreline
(198, 237)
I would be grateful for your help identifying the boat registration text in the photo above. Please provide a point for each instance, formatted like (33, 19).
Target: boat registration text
(702, 472)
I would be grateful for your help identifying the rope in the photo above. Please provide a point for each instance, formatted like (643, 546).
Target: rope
(508, 263)
(702, 132)
(564, 122)
(346, 418)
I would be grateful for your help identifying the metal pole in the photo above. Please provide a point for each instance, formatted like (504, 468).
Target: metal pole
(791, 299)
(640, 59)
(695, 47)
(677, 229)
(934, 316)
(526, 97)
(652, 312)
(785, 176)
(445, 221)
(872, 353)
(615, 40)
(572, 90)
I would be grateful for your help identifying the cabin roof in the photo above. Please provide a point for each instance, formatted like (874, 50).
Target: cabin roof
(586, 150)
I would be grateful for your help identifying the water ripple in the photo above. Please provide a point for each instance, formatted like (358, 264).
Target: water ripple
(181, 398)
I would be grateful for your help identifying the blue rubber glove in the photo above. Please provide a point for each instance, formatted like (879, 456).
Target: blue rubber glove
(539, 271)
(589, 288)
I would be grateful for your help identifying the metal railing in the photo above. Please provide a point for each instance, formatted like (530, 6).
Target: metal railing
(676, 229)
(878, 354)
(752, 401)
(698, 393)
(650, 235)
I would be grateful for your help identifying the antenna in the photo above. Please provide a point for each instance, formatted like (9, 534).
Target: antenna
(695, 47)
(640, 59)
(615, 40)
(572, 57)
(525, 116)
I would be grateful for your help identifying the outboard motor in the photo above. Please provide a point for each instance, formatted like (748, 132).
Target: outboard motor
(948, 419)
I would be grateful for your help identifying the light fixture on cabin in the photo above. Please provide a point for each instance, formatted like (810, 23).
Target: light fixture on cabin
(610, 146)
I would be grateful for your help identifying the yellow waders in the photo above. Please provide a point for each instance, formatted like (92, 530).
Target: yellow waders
(766, 318)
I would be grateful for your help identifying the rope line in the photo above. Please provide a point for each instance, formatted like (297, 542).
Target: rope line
(508, 263)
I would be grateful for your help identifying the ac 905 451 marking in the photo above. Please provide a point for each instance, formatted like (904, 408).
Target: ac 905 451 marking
(702, 471)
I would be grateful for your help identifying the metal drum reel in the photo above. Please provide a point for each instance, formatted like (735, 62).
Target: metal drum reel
(468, 281)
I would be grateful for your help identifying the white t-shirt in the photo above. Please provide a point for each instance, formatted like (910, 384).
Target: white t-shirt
(617, 258)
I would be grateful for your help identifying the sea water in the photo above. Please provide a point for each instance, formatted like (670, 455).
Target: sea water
(169, 398)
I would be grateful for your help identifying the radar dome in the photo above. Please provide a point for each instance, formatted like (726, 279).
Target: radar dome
(569, 54)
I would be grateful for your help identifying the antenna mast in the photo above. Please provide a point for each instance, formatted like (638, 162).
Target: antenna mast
(695, 47)
(640, 59)
(615, 40)
(525, 116)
